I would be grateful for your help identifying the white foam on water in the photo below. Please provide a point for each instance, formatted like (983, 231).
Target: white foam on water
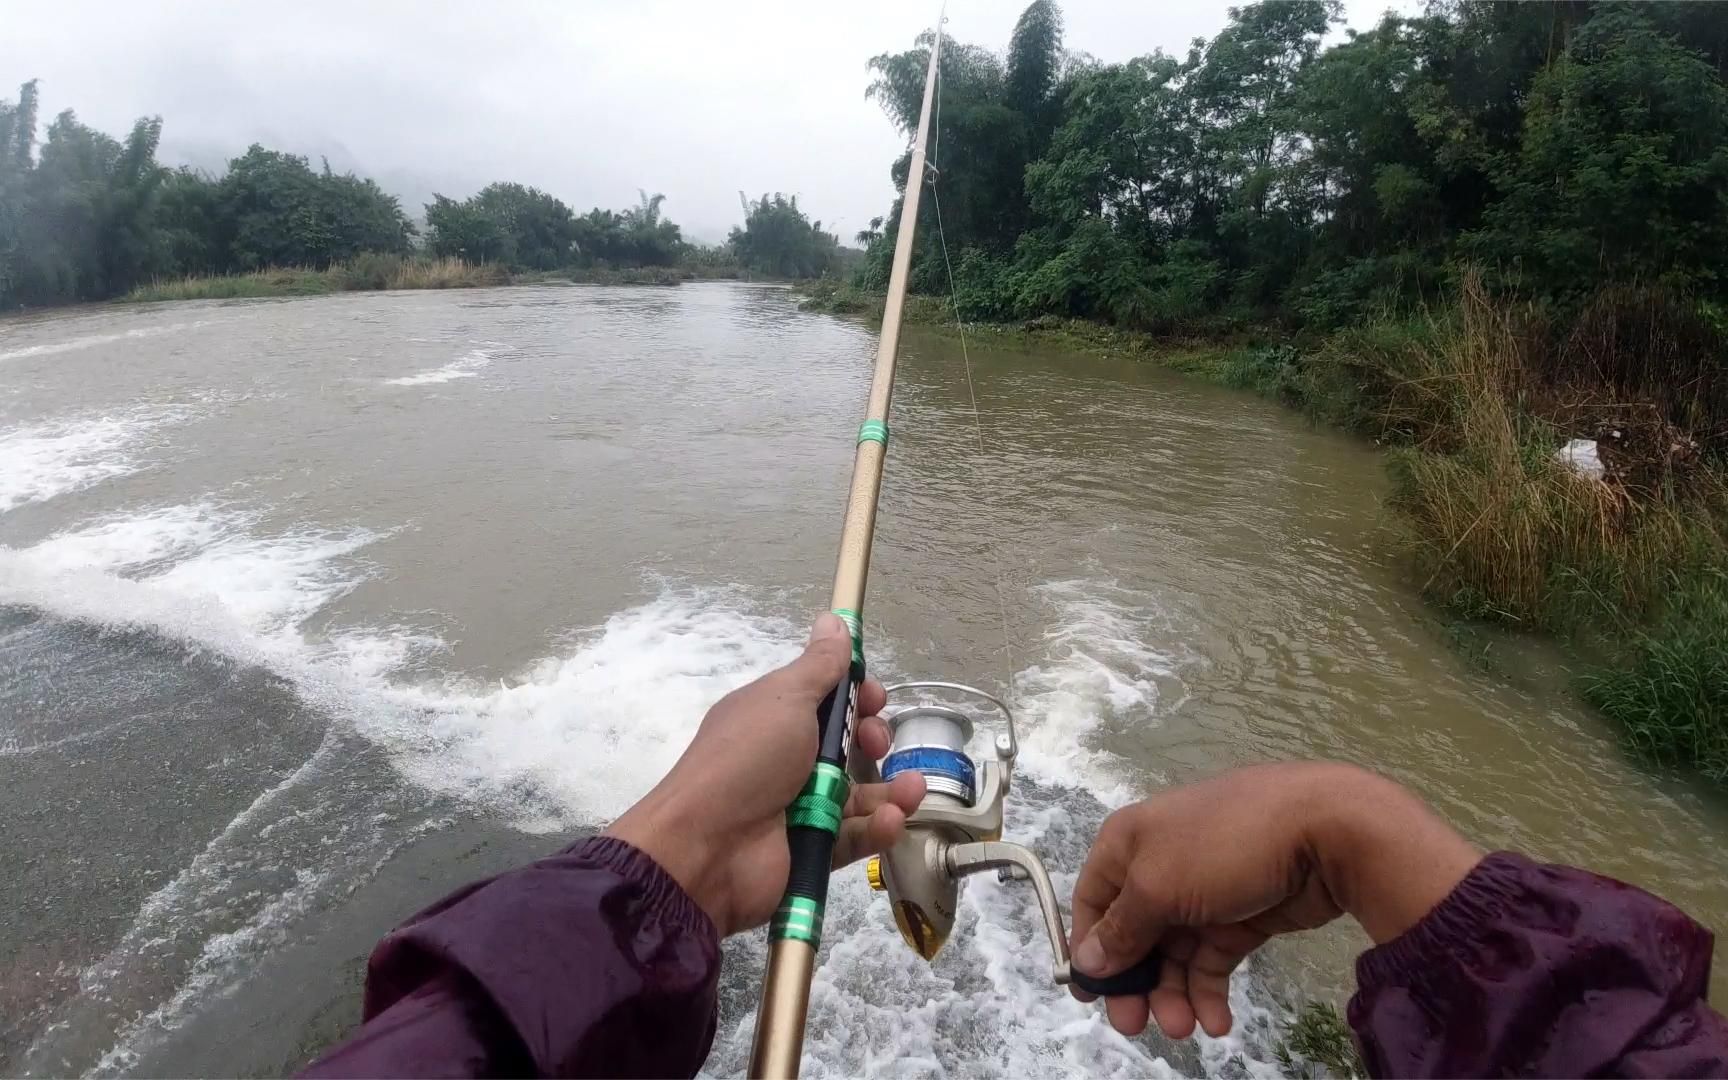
(124, 542)
(91, 341)
(579, 736)
(1097, 669)
(465, 367)
(41, 461)
(225, 959)
(214, 583)
(271, 584)
(584, 734)
(208, 576)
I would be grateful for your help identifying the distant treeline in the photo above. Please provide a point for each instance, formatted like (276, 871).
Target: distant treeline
(1558, 146)
(84, 216)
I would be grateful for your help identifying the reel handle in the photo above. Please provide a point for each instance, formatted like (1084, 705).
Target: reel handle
(1014, 862)
(1137, 981)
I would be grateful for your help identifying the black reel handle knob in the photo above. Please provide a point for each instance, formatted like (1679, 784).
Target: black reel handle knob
(1137, 981)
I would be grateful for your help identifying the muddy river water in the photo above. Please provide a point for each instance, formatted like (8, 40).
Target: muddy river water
(311, 610)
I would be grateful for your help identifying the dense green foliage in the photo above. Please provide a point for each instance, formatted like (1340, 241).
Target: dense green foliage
(1560, 145)
(1472, 234)
(84, 216)
(87, 216)
(504, 223)
(777, 239)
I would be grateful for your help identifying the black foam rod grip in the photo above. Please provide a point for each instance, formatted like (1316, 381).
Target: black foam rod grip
(1136, 981)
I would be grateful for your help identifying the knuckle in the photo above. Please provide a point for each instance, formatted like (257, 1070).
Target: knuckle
(1144, 882)
(1121, 935)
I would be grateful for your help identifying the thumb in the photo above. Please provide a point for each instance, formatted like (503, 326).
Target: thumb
(824, 660)
(1121, 937)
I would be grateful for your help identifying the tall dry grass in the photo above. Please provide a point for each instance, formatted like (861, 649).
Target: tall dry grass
(359, 274)
(448, 272)
(1634, 568)
(1493, 514)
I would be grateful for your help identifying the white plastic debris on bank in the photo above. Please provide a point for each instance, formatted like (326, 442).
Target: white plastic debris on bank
(1581, 457)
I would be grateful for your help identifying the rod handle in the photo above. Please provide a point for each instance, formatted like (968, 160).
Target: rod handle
(813, 819)
(1137, 981)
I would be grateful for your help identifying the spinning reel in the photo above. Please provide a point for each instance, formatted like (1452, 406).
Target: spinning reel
(957, 831)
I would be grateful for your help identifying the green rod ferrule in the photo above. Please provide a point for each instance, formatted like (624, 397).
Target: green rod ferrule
(823, 800)
(856, 625)
(800, 919)
(875, 431)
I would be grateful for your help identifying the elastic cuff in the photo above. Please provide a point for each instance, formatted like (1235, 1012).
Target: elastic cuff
(658, 887)
(1481, 897)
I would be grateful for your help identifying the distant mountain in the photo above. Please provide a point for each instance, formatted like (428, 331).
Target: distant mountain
(702, 236)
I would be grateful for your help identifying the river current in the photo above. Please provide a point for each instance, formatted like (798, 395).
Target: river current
(312, 610)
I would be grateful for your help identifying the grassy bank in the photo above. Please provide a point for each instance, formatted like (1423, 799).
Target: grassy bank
(375, 272)
(365, 273)
(1473, 402)
(1630, 570)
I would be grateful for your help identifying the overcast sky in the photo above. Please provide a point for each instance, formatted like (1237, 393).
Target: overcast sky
(694, 98)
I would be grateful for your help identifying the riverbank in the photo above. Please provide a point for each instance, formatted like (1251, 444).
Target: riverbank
(371, 273)
(1629, 569)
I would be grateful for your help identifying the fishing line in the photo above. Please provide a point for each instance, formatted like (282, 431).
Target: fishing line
(935, 173)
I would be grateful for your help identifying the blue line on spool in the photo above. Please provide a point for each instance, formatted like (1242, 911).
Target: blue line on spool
(933, 761)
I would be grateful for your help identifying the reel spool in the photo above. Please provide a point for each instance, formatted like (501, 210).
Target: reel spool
(957, 831)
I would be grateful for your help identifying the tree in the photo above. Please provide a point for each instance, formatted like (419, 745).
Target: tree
(521, 227)
(274, 210)
(648, 239)
(1565, 143)
(1033, 71)
(778, 239)
(187, 220)
(1622, 170)
(466, 230)
(17, 146)
(59, 203)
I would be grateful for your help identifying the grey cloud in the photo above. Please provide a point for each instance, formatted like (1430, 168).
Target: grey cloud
(589, 101)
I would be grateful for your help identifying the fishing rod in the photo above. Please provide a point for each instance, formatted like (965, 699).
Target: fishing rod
(957, 830)
(813, 820)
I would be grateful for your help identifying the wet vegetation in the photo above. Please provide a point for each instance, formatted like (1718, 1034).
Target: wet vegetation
(1473, 235)
(363, 272)
(1317, 1042)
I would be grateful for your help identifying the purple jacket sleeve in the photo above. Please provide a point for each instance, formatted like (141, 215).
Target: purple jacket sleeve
(1541, 971)
(590, 963)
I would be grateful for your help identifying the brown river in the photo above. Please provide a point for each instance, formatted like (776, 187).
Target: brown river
(312, 610)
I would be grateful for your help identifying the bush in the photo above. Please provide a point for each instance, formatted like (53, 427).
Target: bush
(373, 270)
(983, 288)
(1272, 370)
(841, 299)
(1671, 699)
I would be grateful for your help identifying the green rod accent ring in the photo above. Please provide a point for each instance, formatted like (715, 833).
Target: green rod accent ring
(875, 431)
(798, 919)
(823, 800)
(856, 625)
